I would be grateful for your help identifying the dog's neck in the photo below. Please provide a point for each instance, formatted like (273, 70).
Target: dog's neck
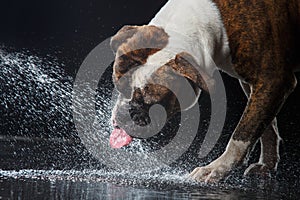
(194, 26)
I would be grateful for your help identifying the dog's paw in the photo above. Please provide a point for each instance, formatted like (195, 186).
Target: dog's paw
(219, 168)
(211, 173)
(259, 169)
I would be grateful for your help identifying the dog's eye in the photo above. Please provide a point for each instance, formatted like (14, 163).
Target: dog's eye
(137, 96)
(126, 63)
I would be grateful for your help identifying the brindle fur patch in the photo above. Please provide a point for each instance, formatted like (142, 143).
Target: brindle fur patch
(122, 36)
(263, 37)
(157, 89)
(135, 51)
(186, 66)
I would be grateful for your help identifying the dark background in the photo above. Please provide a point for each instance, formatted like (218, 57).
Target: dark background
(69, 30)
(73, 27)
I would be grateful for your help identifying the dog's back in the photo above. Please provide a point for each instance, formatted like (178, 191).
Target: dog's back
(255, 27)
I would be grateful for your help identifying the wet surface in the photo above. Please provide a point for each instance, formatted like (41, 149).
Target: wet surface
(41, 154)
(33, 184)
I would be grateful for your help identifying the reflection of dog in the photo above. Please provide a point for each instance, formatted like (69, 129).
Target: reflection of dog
(254, 41)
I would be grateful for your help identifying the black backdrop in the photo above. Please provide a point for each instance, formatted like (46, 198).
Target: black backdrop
(72, 26)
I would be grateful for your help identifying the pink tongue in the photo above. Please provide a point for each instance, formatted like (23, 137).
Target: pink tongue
(119, 138)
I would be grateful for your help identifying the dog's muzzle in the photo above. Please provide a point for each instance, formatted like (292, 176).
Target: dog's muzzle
(135, 120)
(129, 116)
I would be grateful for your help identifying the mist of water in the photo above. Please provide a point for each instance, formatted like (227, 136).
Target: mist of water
(35, 96)
(36, 104)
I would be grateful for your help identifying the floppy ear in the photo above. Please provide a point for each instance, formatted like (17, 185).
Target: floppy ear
(133, 46)
(187, 66)
(121, 36)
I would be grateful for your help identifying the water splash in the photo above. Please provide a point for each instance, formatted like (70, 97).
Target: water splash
(36, 104)
(35, 96)
(101, 175)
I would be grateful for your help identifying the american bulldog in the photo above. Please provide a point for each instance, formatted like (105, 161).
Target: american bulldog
(254, 41)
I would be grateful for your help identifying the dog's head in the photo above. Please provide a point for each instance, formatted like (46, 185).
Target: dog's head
(143, 73)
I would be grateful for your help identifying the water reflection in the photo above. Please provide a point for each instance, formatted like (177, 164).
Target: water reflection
(39, 184)
(66, 189)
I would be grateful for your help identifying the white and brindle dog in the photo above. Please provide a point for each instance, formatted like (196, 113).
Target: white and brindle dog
(254, 41)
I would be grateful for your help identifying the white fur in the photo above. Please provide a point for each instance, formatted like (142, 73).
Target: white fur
(198, 29)
(235, 151)
(221, 166)
(194, 26)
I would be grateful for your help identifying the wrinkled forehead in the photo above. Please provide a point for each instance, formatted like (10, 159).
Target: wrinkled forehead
(137, 50)
(153, 76)
(142, 60)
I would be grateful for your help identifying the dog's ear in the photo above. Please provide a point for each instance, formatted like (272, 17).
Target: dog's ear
(186, 66)
(133, 48)
(121, 36)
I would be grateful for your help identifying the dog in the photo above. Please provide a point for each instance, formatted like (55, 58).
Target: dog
(253, 41)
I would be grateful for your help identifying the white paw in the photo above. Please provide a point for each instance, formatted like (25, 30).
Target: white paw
(211, 173)
(219, 168)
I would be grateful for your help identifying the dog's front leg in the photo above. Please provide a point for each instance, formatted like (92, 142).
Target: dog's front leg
(267, 96)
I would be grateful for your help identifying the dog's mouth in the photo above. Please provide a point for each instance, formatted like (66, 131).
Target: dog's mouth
(119, 138)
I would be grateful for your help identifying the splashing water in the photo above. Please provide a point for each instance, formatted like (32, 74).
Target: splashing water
(35, 96)
(98, 176)
(36, 104)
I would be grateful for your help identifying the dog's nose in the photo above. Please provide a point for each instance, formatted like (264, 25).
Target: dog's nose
(139, 113)
(141, 118)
